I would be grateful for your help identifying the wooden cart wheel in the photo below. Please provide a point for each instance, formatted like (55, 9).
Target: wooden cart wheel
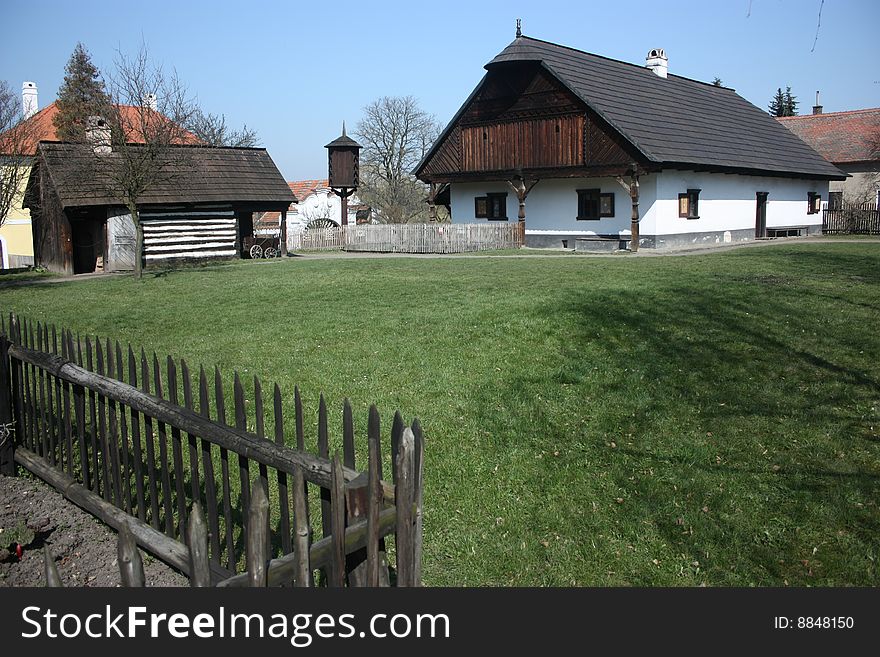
(256, 251)
(269, 252)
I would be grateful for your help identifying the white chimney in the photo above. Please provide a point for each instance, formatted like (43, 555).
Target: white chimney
(151, 101)
(98, 135)
(29, 105)
(658, 62)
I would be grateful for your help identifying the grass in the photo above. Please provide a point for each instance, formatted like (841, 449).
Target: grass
(657, 421)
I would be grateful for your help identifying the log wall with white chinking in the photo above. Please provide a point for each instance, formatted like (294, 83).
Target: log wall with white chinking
(189, 234)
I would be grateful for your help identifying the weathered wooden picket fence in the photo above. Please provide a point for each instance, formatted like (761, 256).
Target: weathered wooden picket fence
(140, 462)
(851, 219)
(410, 238)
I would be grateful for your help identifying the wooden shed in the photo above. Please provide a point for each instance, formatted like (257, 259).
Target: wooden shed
(202, 210)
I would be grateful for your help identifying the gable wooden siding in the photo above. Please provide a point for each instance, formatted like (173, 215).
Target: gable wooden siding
(522, 119)
(529, 144)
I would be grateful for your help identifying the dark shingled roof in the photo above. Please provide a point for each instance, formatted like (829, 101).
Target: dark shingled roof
(674, 120)
(203, 175)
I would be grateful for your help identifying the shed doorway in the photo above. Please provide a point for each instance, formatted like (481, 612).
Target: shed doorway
(87, 240)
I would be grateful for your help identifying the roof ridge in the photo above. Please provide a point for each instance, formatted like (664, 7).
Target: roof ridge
(618, 61)
(865, 110)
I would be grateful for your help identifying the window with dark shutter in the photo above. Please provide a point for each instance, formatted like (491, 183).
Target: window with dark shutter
(814, 203)
(497, 210)
(689, 204)
(588, 204)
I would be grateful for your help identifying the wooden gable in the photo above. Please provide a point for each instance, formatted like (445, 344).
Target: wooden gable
(522, 118)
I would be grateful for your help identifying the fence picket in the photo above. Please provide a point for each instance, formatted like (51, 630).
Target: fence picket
(224, 466)
(177, 451)
(150, 447)
(102, 429)
(113, 436)
(161, 432)
(124, 444)
(208, 467)
(244, 473)
(192, 446)
(261, 434)
(137, 456)
(283, 500)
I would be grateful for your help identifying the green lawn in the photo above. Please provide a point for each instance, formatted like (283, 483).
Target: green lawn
(616, 421)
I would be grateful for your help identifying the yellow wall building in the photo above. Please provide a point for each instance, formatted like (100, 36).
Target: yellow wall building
(16, 236)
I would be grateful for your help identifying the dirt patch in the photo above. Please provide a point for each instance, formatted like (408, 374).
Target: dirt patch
(84, 548)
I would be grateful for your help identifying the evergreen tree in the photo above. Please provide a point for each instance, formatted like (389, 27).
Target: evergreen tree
(791, 103)
(717, 82)
(777, 105)
(81, 95)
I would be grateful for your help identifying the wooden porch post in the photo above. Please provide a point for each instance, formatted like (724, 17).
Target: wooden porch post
(283, 233)
(634, 226)
(522, 188)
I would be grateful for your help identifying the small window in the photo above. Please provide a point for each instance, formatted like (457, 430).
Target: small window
(835, 200)
(492, 206)
(588, 204)
(481, 207)
(593, 204)
(814, 202)
(689, 204)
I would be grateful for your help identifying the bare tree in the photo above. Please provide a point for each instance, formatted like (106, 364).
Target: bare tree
(395, 134)
(147, 114)
(211, 130)
(18, 138)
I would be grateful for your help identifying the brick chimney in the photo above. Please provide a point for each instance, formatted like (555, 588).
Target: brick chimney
(658, 62)
(29, 104)
(817, 108)
(98, 135)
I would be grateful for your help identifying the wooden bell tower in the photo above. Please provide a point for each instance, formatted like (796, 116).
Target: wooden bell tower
(343, 164)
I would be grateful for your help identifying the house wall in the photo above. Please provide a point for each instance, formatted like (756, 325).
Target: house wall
(17, 234)
(320, 205)
(727, 208)
(863, 186)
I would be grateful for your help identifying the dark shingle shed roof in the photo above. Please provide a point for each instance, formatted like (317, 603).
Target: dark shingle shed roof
(203, 175)
(674, 120)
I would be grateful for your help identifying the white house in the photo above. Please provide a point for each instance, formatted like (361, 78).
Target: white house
(317, 206)
(577, 145)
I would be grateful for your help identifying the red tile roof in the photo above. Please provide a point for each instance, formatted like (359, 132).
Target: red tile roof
(840, 137)
(303, 188)
(44, 129)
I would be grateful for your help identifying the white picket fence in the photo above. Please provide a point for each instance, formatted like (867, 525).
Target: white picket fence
(409, 238)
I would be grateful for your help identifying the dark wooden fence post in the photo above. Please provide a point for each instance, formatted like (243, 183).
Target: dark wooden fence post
(50, 570)
(7, 429)
(257, 537)
(197, 540)
(131, 566)
(404, 499)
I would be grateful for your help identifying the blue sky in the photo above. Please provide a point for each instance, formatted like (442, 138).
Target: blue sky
(295, 70)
